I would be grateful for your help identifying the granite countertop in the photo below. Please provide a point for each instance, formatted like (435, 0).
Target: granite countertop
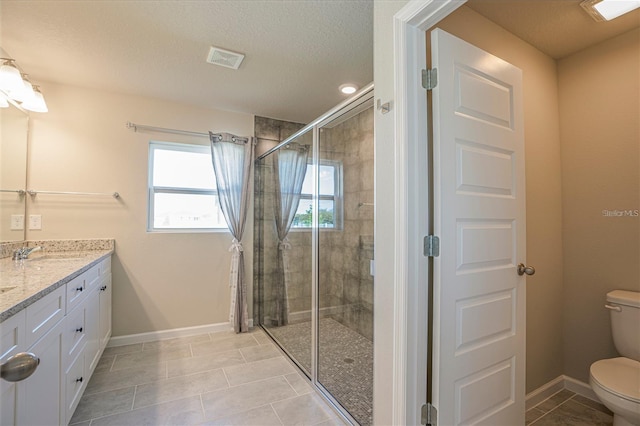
(23, 282)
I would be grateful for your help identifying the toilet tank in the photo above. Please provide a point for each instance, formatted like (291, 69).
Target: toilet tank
(625, 322)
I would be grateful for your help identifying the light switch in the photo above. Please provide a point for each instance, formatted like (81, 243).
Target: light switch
(35, 221)
(17, 222)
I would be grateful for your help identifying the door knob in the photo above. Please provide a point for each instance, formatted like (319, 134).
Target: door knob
(522, 269)
(19, 367)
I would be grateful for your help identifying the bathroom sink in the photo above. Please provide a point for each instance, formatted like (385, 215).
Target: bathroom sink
(6, 289)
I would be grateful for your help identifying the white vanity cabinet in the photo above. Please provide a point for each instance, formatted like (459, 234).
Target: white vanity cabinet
(86, 325)
(68, 330)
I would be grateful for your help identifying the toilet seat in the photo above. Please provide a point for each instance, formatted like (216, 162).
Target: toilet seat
(619, 376)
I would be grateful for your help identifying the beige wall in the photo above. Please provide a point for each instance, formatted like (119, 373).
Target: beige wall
(543, 185)
(160, 280)
(600, 130)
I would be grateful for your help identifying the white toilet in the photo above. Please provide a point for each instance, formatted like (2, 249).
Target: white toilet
(616, 381)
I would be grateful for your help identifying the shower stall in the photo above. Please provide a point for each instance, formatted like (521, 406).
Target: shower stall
(313, 252)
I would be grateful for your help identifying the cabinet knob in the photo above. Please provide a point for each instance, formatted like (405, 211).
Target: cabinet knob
(79, 330)
(103, 288)
(19, 367)
(79, 289)
(79, 380)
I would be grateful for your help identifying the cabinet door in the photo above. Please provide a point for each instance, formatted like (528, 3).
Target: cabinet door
(92, 350)
(105, 310)
(12, 341)
(41, 402)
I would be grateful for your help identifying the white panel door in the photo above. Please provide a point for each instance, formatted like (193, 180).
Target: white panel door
(479, 215)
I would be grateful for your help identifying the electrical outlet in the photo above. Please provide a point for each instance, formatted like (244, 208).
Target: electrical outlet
(17, 222)
(35, 221)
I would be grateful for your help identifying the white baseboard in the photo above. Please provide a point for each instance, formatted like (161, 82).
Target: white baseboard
(556, 385)
(581, 388)
(543, 392)
(168, 334)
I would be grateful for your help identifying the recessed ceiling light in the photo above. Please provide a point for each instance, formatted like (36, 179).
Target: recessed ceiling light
(348, 89)
(606, 10)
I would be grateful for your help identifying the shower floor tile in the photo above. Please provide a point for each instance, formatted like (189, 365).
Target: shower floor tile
(346, 362)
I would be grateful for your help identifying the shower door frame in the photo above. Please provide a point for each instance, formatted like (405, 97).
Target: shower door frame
(364, 95)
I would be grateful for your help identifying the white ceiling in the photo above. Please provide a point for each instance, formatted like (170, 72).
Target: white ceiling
(556, 27)
(297, 51)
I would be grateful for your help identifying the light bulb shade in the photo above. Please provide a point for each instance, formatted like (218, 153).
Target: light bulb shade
(10, 78)
(36, 103)
(24, 93)
(3, 101)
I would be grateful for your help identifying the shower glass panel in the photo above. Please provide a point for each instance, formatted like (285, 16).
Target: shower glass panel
(285, 287)
(345, 248)
(313, 250)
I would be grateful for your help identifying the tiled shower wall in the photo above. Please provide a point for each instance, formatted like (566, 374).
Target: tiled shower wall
(345, 254)
(345, 285)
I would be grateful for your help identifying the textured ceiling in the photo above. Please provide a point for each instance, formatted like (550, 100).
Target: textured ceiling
(556, 27)
(297, 52)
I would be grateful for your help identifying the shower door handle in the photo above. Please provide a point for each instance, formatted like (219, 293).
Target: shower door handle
(522, 269)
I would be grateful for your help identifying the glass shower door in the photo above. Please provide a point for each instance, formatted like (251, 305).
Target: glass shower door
(345, 252)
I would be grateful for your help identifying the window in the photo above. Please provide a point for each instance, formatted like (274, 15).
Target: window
(182, 189)
(329, 197)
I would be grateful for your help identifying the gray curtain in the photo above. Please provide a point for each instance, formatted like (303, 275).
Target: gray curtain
(290, 167)
(232, 161)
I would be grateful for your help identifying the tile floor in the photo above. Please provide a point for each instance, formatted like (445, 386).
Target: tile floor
(209, 379)
(569, 409)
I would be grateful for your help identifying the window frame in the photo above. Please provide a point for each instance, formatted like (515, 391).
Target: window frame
(152, 190)
(337, 198)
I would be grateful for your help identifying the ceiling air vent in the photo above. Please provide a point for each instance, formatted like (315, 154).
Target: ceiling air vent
(224, 58)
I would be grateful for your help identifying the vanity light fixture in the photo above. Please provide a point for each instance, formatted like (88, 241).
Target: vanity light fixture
(10, 78)
(24, 92)
(16, 87)
(35, 103)
(606, 10)
(348, 88)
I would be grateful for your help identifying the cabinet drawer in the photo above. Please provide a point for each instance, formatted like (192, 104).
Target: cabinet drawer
(42, 315)
(12, 337)
(74, 335)
(105, 267)
(76, 291)
(74, 386)
(91, 277)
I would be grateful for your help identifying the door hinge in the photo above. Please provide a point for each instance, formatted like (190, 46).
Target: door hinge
(431, 246)
(429, 415)
(430, 78)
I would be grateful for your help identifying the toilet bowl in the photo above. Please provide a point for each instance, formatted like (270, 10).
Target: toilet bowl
(616, 381)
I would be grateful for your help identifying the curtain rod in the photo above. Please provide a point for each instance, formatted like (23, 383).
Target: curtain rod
(135, 127)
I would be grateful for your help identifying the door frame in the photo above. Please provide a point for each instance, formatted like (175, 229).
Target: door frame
(410, 355)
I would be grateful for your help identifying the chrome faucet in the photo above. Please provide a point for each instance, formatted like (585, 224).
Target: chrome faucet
(24, 252)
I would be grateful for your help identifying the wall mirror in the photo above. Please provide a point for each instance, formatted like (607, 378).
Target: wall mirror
(14, 129)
